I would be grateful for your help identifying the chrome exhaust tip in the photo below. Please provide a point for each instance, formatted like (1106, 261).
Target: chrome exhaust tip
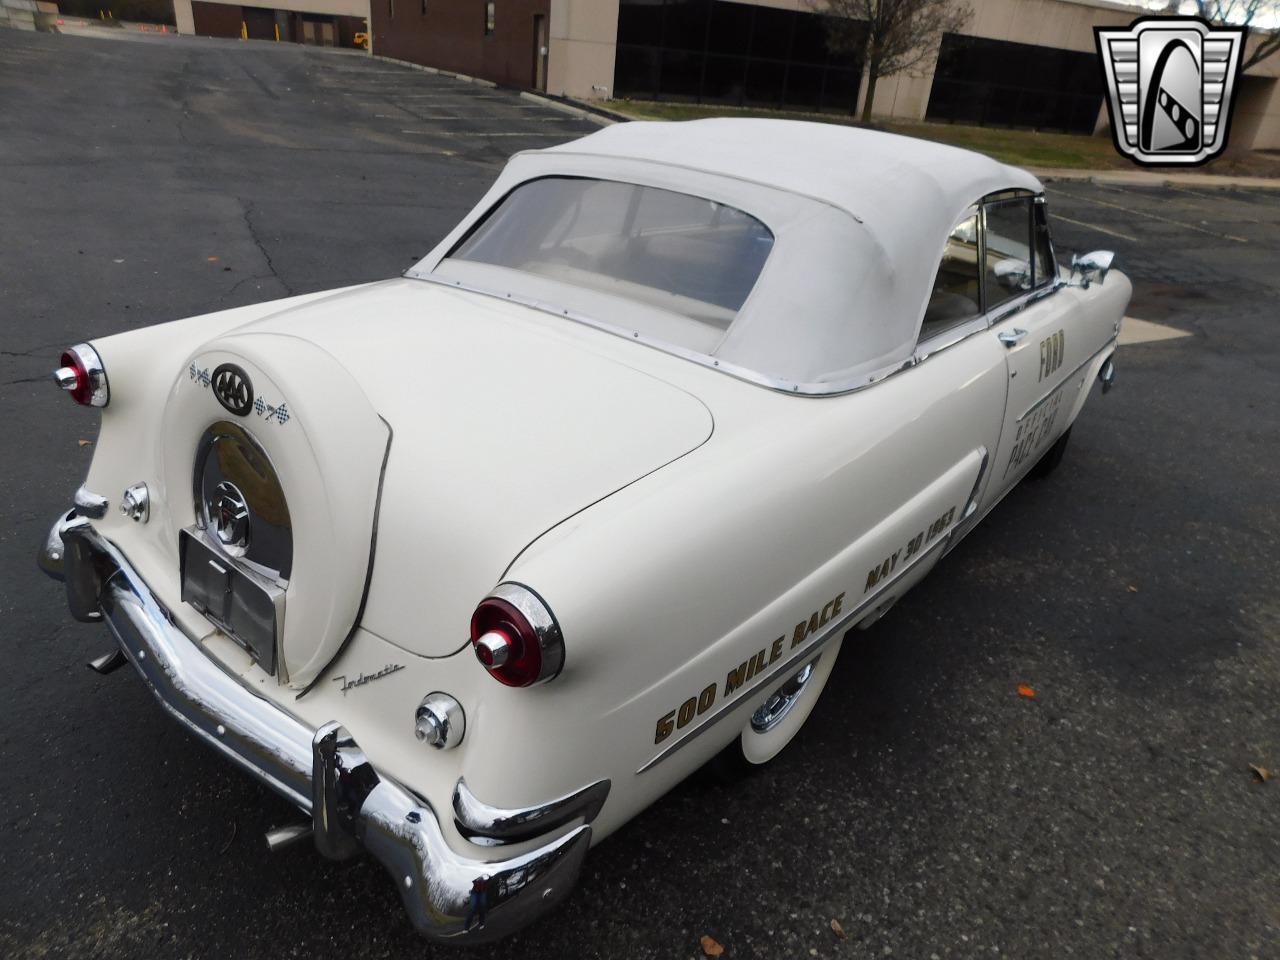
(1107, 375)
(282, 837)
(107, 663)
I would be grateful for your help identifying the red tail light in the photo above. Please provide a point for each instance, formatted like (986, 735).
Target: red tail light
(516, 637)
(83, 376)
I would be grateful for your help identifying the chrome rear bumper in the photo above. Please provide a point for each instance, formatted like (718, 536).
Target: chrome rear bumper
(323, 771)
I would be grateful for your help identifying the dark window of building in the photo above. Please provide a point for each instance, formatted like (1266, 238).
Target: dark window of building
(714, 51)
(424, 7)
(489, 18)
(391, 9)
(995, 82)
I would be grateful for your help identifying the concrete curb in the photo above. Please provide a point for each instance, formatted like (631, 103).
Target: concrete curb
(576, 108)
(606, 117)
(438, 72)
(1143, 178)
(563, 105)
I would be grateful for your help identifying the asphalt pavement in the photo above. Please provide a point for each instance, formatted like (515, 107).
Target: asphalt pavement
(929, 807)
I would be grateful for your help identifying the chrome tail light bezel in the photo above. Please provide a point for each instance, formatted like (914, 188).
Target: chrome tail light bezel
(542, 640)
(83, 375)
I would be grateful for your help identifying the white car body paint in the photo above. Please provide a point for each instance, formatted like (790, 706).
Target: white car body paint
(677, 520)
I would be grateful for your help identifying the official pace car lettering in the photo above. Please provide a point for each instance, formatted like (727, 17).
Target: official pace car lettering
(364, 678)
(1035, 427)
(738, 677)
(1052, 350)
(278, 413)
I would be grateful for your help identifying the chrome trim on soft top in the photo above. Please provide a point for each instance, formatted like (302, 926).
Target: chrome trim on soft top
(924, 349)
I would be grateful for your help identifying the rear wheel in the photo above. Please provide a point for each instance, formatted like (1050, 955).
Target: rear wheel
(1053, 456)
(778, 717)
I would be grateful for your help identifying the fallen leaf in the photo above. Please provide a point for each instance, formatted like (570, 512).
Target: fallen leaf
(1132, 588)
(86, 443)
(1260, 774)
(212, 259)
(1025, 691)
(837, 929)
(710, 947)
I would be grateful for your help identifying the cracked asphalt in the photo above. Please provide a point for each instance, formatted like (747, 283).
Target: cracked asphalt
(928, 807)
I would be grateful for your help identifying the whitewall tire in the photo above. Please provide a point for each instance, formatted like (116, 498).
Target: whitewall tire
(779, 714)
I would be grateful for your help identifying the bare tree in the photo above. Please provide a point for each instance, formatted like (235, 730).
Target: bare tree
(892, 36)
(1243, 13)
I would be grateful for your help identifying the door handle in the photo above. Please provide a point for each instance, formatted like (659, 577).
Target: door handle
(1011, 338)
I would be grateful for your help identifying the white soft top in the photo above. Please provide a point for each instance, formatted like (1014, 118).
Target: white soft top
(860, 219)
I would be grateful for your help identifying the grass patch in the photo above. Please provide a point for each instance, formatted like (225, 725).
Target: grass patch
(1022, 148)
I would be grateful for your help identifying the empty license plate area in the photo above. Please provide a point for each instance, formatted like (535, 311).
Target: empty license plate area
(248, 609)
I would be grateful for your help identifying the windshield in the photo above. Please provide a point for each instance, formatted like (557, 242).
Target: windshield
(682, 254)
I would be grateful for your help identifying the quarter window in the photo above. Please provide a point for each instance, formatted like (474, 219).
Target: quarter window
(1007, 262)
(955, 296)
(1045, 268)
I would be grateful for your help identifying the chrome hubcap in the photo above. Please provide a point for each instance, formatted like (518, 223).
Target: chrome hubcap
(773, 710)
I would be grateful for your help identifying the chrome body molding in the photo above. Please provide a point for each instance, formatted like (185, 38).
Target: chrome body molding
(792, 663)
(969, 518)
(323, 772)
(487, 825)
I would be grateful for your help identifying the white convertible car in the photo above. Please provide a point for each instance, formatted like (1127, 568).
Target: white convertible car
(474, 564)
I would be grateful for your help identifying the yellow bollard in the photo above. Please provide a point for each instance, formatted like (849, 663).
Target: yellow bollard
(244, 30)
(277, 33)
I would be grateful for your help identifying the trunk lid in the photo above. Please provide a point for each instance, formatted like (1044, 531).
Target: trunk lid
(502, 427)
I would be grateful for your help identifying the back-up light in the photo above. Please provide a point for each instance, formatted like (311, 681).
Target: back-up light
(83, 376)
(516, 637)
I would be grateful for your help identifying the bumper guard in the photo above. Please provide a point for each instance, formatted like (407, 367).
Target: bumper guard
(323, 771)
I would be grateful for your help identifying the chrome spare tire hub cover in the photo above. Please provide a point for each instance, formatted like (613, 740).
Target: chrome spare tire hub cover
(230, 516)
(240, 503)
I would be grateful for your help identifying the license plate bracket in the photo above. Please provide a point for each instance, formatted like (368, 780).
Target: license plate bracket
(246, 607)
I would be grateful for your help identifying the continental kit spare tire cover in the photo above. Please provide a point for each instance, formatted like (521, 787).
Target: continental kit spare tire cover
(316, 498)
